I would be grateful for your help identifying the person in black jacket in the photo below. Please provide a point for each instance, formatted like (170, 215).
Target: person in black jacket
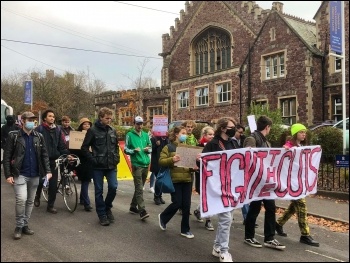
(102, 138)
(9, 126)
(25, 161)
(56, 146)
(258, 140)
(84, 170)
(222, 141)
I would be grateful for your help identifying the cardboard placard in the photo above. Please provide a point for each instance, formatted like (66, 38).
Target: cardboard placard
(76, 139)
(160, 125)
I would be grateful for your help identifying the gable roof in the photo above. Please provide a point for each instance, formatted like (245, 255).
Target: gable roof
(306, 31)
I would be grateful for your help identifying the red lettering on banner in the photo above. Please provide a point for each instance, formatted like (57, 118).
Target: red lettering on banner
(274, 153)
(300, 172)
(291, 156)
(271, 174)
(225, 179)
(265, 191)
(260, 155)
(249, 170)
(241, 190)
(205, 174)
(309, 188)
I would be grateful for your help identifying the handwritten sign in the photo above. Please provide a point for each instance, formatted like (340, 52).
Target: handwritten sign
(160, 125)
(230, 179)
(76, 139)
(188, 155)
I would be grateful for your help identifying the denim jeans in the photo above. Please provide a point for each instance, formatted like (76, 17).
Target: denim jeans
(151, 180)
(25, 189)
(245, 209)
(140, 175)
(103, 205)
(84, 193)
(223, 231)
(180, 199)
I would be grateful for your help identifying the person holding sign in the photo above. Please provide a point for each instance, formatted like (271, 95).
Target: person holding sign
(298, 139)
(85, 169)
(222, 141)
(182, 180)
(258, 140)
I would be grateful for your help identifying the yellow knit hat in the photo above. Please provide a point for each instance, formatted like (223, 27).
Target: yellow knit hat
(297, 128)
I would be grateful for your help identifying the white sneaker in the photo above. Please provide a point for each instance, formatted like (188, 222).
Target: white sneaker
(226, 257)
(216, 252)
(151, 190)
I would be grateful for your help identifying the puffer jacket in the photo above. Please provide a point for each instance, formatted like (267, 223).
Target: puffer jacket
(14, 154)
(104, 144)
(178, 174)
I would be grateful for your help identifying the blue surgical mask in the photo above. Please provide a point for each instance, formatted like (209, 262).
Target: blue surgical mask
(182, 138)
(30, 125)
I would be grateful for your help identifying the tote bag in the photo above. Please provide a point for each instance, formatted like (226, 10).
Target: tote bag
(164, 182)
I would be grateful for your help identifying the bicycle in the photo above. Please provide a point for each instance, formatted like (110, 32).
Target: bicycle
(66, 185)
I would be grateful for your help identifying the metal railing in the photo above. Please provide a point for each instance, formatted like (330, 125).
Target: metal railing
(330, 177)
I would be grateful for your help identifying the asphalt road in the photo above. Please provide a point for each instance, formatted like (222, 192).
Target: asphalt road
(74, 237)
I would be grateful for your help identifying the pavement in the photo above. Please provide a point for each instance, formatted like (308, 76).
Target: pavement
(323, 207)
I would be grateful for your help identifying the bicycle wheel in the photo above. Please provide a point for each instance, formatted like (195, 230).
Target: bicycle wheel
(45, 192)
(70, 194)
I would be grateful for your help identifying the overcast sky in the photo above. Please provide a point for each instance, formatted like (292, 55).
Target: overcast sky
(125, 32)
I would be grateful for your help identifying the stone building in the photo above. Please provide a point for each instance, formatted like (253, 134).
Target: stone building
(222, 56)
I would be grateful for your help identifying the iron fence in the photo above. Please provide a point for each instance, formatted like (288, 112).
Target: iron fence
(330, 177)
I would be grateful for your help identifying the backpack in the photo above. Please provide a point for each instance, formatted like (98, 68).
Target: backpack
(171, 147)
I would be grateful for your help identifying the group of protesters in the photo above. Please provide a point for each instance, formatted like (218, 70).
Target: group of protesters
(30, 154)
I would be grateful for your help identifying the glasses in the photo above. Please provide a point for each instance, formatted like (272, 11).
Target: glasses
(230, 127)
(140, 123)
(189, 127)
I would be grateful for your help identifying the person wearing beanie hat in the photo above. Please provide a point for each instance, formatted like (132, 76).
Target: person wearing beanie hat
(298, 139)
(85, 169)
(297, 127)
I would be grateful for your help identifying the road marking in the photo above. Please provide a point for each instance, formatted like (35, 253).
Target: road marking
(324, 255)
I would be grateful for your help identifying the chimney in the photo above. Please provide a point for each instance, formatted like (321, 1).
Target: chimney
(278, 6)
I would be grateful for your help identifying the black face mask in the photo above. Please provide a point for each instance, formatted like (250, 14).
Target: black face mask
(231, 132)
(10, 122)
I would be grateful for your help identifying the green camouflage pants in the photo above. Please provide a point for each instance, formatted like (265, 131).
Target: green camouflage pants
(298, 207)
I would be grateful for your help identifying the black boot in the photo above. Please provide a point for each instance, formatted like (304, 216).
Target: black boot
(279, 230)
(157, 200)
(309, 241)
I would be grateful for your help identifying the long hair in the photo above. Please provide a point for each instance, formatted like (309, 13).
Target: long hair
(222, 124)
(174, 131)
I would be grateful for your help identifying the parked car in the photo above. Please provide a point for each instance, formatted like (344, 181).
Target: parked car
(339, 125)
(179, 122)
(321, 125)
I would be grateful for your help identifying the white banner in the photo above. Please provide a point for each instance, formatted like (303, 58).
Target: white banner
(230, 179)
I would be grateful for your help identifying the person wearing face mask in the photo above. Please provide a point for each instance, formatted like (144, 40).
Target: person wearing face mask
(26, 160)
(222, 141)
(182, 180)
(9, 126)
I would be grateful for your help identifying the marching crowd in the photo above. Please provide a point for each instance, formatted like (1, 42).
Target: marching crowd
(30, 153)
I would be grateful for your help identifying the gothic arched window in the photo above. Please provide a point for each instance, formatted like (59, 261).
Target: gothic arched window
(212, 51)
